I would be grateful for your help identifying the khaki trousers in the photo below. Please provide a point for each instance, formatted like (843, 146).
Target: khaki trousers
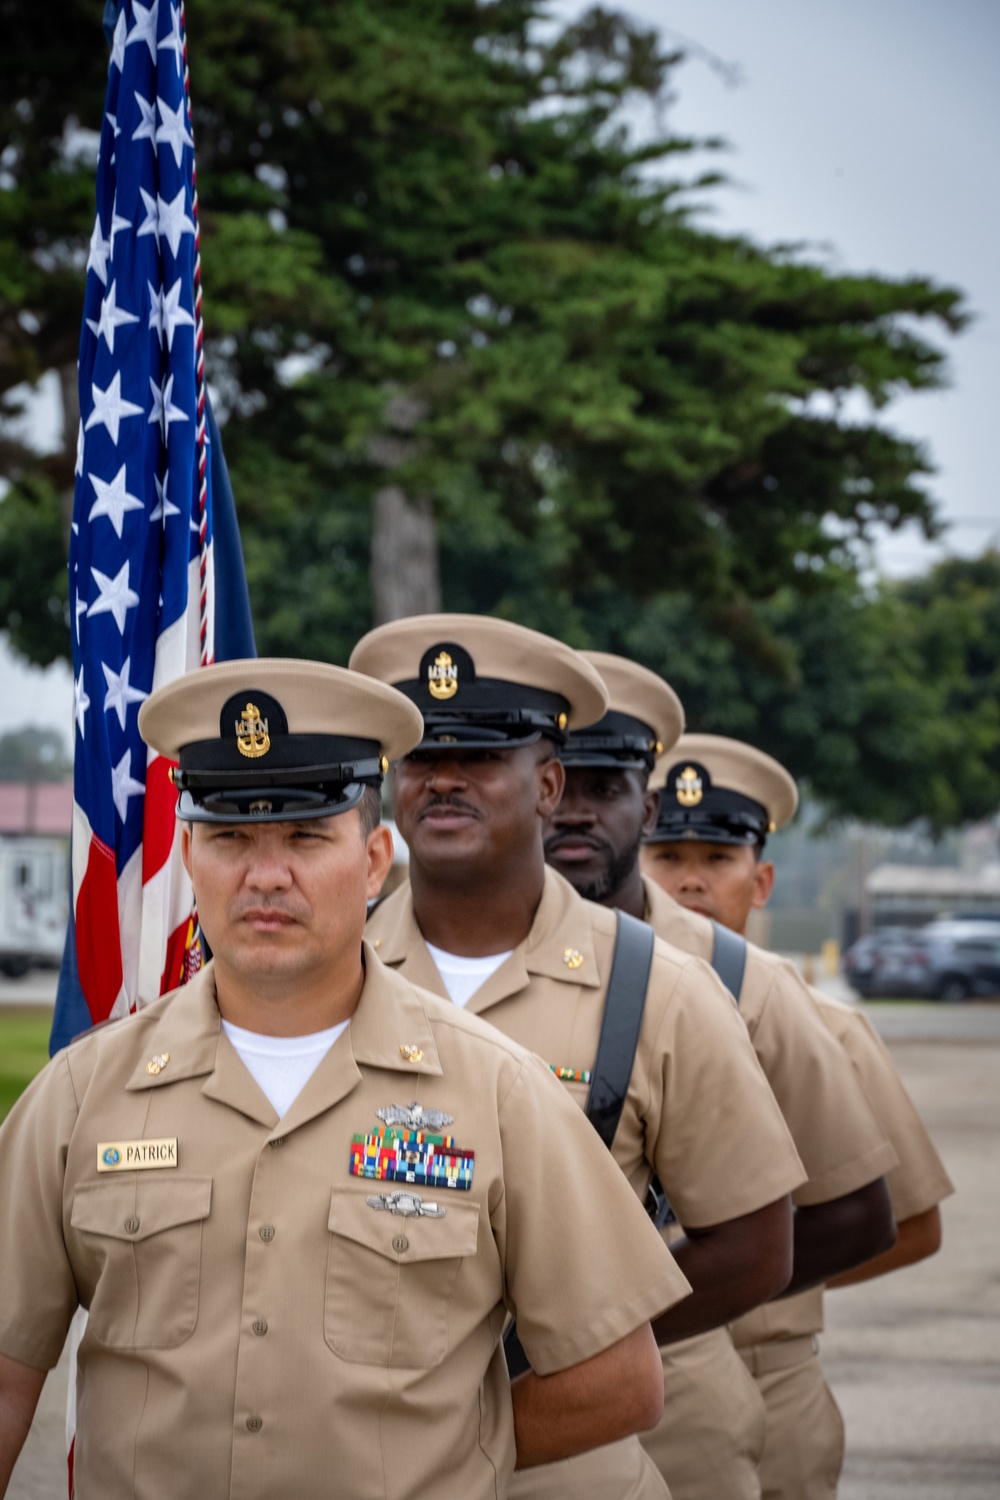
(804, 1448)
(620, 1471)
(711, 1437)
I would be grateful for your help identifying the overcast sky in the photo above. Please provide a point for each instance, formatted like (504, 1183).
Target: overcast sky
(871, 129)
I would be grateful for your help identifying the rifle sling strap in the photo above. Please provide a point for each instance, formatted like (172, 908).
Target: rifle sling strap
(623, 1008)
(729, 957)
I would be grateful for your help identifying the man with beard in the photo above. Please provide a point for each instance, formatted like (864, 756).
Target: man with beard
(711, 1439)
(484, 922)
(723, 877)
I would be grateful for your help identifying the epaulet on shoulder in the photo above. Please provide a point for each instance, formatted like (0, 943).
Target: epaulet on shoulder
(118, 1021)
(82, 1036)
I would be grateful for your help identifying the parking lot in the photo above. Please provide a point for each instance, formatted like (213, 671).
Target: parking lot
(914, 1359)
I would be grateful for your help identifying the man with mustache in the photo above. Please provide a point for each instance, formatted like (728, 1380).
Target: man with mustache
(711, 1439)
(484, 922)
(299, 1196)
(724, 878)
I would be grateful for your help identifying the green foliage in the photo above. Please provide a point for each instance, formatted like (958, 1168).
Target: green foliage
(33, 754)
(24, 1051)
(434, 256)
(887, 706)
(34, 588)
(607, 397)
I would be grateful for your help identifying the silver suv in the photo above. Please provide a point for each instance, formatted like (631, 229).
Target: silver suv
(951, 959)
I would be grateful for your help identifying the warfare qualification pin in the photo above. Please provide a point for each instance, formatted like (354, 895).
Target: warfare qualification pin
(409, 1205)
(414, 1116)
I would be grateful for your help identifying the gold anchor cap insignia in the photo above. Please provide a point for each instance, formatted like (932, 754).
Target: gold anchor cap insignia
(252, 738)
(442, 676)
(689, 788)
(157, 1063)
(572, 958)
(411, 1054)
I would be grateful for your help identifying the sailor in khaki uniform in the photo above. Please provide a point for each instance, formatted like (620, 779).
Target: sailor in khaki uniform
(805, 1434)
(299, 1196)
(711, 1438)
(483, 921)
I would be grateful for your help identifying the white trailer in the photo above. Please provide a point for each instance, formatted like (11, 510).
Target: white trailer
(34, 902)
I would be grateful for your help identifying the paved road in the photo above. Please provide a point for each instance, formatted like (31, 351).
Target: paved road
(915, 1358)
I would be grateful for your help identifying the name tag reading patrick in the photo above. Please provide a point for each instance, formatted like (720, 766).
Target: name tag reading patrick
(136, 1156)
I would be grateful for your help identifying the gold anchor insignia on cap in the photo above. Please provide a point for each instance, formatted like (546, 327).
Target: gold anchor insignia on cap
(689, 788)
(442, 676)
(157, 1063)
(252, 738)
(572, 958)
(411, 1054)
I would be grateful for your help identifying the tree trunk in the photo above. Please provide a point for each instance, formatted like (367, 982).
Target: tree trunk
(404, 561)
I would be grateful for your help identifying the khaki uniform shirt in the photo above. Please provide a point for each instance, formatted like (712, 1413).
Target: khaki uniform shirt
(916, 1183)
(711, 1437)
(257, 1327)
(698, 1112)
(842, 1145)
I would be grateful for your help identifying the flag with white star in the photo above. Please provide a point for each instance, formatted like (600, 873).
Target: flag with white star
(141, 555)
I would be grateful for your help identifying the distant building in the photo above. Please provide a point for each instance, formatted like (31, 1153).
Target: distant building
(35, 822)
(909, 895)
(36, 807)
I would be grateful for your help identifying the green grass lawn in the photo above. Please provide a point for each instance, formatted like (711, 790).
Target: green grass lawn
(24, 1051)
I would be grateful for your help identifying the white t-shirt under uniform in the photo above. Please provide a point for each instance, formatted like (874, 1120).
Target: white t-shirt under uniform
(281, 1066)
(462, 977)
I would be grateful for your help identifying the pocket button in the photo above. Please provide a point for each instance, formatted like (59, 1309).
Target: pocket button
(400, 1243)
(131, 1224)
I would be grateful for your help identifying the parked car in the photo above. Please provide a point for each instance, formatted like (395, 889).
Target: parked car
(861, 961)
(946, 960)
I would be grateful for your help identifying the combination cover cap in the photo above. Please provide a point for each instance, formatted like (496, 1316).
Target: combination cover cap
(483, 683)
(276, 739)
(644, 718)
(720, 791)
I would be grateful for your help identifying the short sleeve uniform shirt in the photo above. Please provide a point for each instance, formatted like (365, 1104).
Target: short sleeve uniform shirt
(260, 1324)
(916, 1183)
(841, 1142)
(698, 1112)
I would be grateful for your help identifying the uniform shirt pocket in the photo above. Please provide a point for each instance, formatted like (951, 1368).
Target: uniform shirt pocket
(140, 1245)
(391, 1278)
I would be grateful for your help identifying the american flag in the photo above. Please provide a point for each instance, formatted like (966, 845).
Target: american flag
(150, 480)
(141, 552)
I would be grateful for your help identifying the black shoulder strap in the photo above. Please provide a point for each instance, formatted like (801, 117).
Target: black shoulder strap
(729, 957)
(623, 1007)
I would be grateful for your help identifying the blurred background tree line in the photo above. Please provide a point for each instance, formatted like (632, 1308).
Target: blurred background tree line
(474, 349)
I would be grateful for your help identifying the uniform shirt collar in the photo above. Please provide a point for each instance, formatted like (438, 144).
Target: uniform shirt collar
(559, 945)
(388, 1030)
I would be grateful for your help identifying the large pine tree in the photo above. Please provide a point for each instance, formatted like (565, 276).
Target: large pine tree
(471, 344)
